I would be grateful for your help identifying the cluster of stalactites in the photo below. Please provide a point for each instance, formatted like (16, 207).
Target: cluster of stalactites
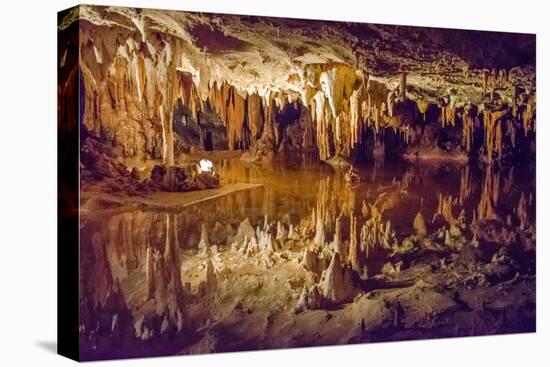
(138, 84)
(347, 103)
(468, 123)
(492, 121)
(230, 105)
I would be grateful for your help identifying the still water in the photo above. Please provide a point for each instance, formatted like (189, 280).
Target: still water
(116, 249)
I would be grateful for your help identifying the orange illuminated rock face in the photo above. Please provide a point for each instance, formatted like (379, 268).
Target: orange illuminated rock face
(136, 66)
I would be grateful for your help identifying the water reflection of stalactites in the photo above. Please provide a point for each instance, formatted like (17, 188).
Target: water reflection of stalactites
(334, 199)
(135, 254)
(163, 276)
(466, 188)
(489, 194)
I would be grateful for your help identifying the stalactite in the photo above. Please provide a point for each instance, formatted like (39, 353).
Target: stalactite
(338, 84)
(356, 115)
(448, 115)
(254, 110)
(377, 94)
(166, 107)
(468, 121)
(423, 107)
(235, 117)
(493, 132)
(403, 85)
(321, 116)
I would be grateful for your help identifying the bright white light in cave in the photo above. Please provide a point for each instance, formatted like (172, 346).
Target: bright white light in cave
(206, 165)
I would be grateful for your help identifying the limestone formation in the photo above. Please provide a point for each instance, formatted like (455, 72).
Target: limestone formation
(135, 84)
(419, 225)
(323, 239)
(337, 284)
(204, 243)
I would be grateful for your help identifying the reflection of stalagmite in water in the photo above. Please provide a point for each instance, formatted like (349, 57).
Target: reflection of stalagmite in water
(269, 201)
(149, 268)
(337, 240)
(522, 212)
(321, 211)
(281, 232)
(211, 281)
(204, 243)
(319, 239)
(445, 208)
(354, 258)
(166, 279)
(419, 225)
(489, 194)
(508, 181)
(465, 184)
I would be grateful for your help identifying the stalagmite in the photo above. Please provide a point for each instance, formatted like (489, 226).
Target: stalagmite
(245, 231)
(419, 225)
(336, 284)
(211, 282)
(281, 232)
(312, 262)
(149, 274)
(204, 243)
(309, 299)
